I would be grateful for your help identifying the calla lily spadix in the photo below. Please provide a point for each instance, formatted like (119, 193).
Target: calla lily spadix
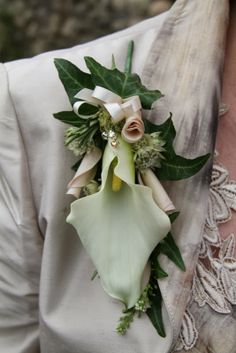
(119, 229)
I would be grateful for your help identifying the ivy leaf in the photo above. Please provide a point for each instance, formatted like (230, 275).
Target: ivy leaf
(157, 270)
(176, 167)
(72, 78)
(69, 117)
(155, 313)
(123, 84)
(171, 250)
(173, 216)
(167, 131)
(167, 128)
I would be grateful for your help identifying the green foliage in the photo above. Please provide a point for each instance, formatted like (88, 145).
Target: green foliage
(170, 249)
(157, 270)
(174, 167)
(177, 167)
(155, 311)
(173, 216)
(87, 111)
(123, 84)
(166, 129)
(69, 117)
(80, 137)
(125, 321)
(72, 78)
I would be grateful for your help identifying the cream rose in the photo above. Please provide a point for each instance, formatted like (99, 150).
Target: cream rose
(133, 129)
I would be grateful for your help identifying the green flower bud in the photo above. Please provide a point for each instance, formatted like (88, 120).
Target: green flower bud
(91, 188)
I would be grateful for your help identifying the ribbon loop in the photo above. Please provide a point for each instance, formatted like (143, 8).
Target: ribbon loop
(117, 107)
(86, 94)
(106, 95)
(116, 111)
(131, 105)
(79, 104)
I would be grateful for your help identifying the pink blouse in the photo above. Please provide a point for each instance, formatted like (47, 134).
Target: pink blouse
(226, 135)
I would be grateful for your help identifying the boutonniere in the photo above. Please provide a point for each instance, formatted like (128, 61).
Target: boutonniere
(123, 214)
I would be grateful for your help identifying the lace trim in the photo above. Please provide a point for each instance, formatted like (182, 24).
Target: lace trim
(214, 281)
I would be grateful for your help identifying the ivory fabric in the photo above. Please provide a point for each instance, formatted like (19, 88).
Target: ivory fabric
(188, 68)
(215, 320)
(48, 303)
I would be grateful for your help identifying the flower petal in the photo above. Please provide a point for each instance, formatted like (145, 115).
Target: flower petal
(126, 227)
(133, 129)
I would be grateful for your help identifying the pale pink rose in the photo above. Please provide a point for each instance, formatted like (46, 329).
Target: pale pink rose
(133, 129)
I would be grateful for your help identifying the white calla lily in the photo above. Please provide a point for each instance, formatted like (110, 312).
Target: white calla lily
(120, 229)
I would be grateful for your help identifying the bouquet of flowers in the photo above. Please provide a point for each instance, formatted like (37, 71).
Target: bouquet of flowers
(122, 214)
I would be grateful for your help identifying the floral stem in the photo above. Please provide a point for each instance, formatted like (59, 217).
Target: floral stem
(128, 62)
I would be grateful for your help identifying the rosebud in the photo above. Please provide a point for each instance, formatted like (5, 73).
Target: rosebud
(133, 129)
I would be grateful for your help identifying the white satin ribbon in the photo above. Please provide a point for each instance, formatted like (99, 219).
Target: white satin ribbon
(85, 173)
(117, 107)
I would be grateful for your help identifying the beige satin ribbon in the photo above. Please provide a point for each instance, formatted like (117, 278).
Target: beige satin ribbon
(160, 196)
(85, 173)
(117, 107)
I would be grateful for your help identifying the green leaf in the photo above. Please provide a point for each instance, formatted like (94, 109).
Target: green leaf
(87, 110)
(123, 84)
(168, 134)
(72, 78)
(157, 270)
(173, 216)
(171, 250)
(69, 117)
(155, 313)
(176, 167)
(167, 129)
